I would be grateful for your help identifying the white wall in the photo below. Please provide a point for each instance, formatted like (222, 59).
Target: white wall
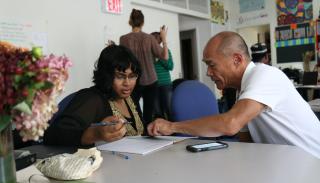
(261, 17)
(79, 30)
(203, 34)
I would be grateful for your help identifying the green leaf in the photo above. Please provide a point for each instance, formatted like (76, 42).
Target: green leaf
(30, 97)
(38, 85)
(17, 78)
(23, 107)
(47, 85)
(30, 74)
(4, 121)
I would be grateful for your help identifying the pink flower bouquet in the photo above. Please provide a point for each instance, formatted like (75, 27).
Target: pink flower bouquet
(29, 85)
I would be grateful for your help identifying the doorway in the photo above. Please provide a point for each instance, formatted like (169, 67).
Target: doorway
(256, 34)
(188, 54)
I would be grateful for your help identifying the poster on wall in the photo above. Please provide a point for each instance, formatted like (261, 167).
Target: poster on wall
(294, 40)
(24, 33)
(255, 16)
(251, 5)
(217, 12)
(294, 11)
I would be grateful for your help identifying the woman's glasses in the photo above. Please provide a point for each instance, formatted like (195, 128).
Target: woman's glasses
(122, 76)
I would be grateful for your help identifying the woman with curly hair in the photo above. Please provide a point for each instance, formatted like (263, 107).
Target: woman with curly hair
(115, 76)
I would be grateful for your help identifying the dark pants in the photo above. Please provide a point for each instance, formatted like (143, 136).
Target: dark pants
(148, 94)
(163, 102)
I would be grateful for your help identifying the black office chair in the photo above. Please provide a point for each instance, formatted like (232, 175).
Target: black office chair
(62, 105)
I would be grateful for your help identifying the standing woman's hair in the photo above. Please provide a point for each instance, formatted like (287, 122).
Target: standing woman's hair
(113, 58)
(157, 36)
(136, 18)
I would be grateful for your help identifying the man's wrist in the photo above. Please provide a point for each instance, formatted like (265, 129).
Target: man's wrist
(173, 127)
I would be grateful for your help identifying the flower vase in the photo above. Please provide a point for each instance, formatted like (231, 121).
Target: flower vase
(7, 162)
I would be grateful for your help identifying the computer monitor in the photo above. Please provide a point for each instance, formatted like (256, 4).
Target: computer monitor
(310, 78)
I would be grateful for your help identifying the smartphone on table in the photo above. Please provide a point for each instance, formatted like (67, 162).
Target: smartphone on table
(206, 146)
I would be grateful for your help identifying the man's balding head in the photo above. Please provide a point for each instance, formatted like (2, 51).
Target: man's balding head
(227, 43)
(226, 56)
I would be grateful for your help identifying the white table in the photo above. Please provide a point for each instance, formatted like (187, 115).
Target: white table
(240, 162)
(309, 90)
(308, 86)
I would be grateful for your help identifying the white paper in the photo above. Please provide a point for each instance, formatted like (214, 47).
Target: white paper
(174, 139)
(139, 144)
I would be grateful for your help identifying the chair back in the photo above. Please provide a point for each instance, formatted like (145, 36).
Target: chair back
(62, 105)
(176, 82)
(193, 99)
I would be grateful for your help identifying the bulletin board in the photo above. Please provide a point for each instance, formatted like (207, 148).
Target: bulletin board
(293, 40)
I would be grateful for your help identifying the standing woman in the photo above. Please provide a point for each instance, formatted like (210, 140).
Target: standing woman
(108, 100)
(146, 49)
(164, 93)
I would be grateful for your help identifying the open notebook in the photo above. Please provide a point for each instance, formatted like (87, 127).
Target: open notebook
(140, 144)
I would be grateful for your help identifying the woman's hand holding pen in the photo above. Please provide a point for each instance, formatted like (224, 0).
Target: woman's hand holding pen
(111, 133)
(107, 133)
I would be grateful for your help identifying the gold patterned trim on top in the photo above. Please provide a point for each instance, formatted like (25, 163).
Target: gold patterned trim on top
(130, 130)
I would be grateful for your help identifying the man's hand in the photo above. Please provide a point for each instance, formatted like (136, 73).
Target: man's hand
(160, 127)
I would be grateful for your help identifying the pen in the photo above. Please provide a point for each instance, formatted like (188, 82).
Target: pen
(106, 123)
(120, 155)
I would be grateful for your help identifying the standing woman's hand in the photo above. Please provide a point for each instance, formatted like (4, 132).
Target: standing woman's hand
(104, 133)
(163, 35)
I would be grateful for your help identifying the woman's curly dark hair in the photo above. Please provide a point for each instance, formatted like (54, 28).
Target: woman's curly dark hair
(113, 58)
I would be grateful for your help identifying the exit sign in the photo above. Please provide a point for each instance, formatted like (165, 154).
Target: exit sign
(112, 6)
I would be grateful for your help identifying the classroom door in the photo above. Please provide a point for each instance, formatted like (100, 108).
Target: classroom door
(187, 38)
(256, 34)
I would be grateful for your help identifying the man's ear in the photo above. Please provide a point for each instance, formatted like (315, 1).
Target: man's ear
(237, 59)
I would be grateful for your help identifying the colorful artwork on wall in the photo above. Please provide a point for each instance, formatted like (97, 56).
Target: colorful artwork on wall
(217, 12)
(294, 11)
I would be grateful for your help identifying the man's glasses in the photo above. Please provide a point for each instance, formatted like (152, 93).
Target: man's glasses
(123, 77)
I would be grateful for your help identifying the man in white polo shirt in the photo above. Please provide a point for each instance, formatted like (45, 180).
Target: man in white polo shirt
(268, 102)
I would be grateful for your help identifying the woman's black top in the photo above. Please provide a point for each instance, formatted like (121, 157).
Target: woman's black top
(87, 106)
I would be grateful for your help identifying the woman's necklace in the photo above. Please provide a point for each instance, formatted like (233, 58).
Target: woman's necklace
(130, 130)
